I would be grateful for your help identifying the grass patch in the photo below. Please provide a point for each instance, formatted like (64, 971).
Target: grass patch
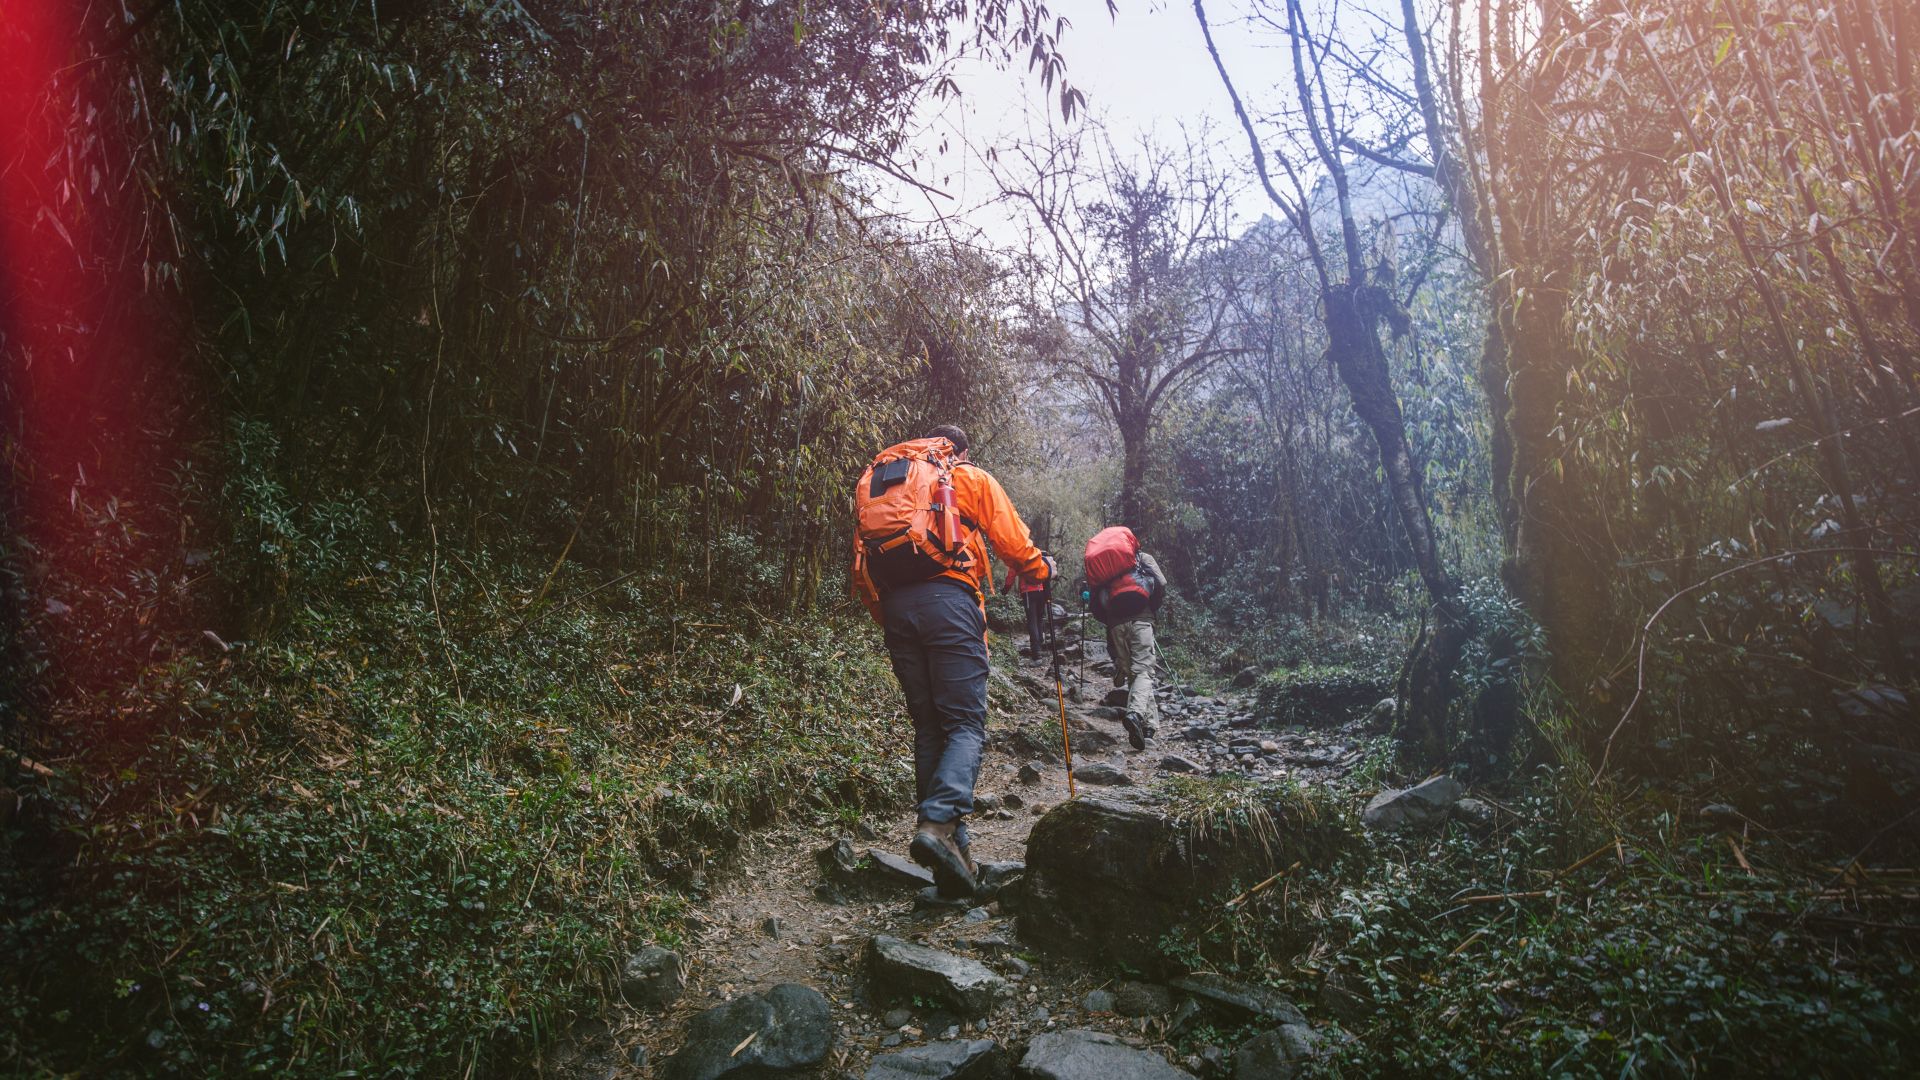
(365, 846)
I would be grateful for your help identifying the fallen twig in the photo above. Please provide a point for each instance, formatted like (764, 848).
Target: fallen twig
(1865, 924)
(1236, 901)
(1492, 897)
(1611, 845)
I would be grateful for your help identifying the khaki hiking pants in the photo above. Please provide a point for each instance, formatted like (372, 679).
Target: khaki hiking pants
(1135, 657)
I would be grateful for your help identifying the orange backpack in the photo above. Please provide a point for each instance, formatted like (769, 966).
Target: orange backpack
(908, 529)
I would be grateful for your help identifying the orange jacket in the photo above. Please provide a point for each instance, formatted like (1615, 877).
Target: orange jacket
(982, 500)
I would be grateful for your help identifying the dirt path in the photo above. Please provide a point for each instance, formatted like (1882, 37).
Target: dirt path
(765, 921)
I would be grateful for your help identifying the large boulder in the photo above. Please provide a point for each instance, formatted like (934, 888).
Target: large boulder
(899, 970)
(952, 1059)
(1106, 878)
(1422, 804)
(1077, 1054)
(788, 1027)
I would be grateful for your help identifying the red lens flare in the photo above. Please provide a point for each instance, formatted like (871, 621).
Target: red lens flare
(88, 385)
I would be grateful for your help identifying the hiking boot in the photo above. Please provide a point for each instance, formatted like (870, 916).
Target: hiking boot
(1136, 729)
(939, 855)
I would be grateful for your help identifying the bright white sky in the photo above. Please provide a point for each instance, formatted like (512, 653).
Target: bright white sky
(1145, 71)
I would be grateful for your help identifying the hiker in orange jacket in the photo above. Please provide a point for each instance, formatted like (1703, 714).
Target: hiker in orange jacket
(928, 593)
(990, 517)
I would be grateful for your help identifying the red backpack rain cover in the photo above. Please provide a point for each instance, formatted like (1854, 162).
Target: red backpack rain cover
(1112, 552)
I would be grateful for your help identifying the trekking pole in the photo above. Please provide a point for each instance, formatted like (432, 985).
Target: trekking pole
(1060, 692)
(1083, 653)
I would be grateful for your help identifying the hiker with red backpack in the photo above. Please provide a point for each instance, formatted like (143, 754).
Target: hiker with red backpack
(1124, 587)
(926, 516)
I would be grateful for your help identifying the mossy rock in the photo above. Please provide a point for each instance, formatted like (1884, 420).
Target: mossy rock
(1317, 696)
(1108, 879)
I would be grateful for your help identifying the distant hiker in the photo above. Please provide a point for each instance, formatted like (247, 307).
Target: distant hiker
(1125, 586)
(1033, 596)
(925, 517)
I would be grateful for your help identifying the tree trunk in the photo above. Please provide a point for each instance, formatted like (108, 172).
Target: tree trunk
(1353, 344)
(1133, 473)
(1556, 566)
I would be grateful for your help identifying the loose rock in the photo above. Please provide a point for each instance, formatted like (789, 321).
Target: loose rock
(876, 870)
(957, 1059)
(1339, 999)
(1276, 1055)
(996, 875)
(1102, 774)
(900, 969)
(1097, 1001)
(1176, 764)
(653, 978)
(1142, 999)
(1220, 991)
(1094, 741)
(1423, 804)
(891, 869)
(1092, 1055)
(1030, 773)
(1041, 689)
(791, 1027)
(1474, 813)
(929, 899)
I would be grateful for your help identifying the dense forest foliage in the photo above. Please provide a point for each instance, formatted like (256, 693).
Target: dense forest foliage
(429, 431)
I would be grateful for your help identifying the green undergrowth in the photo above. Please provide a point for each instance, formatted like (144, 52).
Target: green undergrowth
(394, 840)
(1664, 944)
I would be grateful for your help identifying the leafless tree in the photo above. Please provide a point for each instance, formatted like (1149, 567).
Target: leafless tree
(1131, 277)
(1359, 297)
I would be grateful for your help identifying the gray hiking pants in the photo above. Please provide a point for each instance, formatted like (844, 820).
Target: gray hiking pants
(1135, 658)
(937, 638)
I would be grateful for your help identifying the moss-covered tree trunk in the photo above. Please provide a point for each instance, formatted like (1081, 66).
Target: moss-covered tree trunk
(1354, 312)
(1556, 565)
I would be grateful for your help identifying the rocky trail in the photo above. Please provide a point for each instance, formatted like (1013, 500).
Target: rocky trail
(824, 952)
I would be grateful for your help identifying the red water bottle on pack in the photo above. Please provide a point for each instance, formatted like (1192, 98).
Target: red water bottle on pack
(948, 511)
